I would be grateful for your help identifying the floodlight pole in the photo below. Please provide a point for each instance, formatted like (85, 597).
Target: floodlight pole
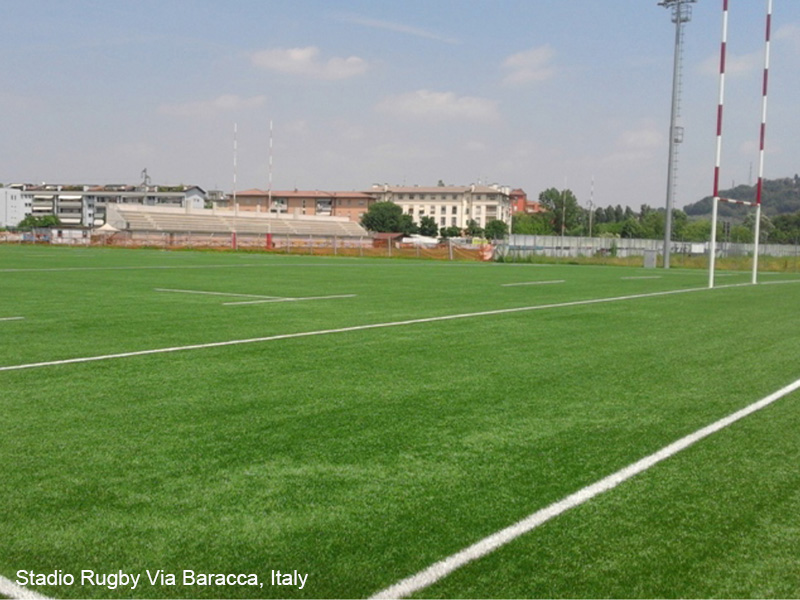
(681, 13)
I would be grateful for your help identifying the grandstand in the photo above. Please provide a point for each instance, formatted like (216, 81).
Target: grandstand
(137, 218)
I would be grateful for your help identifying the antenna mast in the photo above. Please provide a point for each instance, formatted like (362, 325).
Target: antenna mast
(235, 149)
(681, 13)
(269, 175)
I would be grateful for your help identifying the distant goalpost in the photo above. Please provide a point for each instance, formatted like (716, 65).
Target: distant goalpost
(759, 188)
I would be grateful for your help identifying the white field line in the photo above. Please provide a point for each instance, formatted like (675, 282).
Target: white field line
(128, 268)
(259, 265)
(288, 336)
(9, 589)
(11, 318)
(532, 283)
(215, 293)
(779, 282)
(643, 277)
(489, 544)
(279, 299)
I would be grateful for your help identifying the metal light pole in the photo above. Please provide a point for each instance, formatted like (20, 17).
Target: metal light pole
(681, 13)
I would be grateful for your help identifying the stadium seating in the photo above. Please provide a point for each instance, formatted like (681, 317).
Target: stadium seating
(160, 219)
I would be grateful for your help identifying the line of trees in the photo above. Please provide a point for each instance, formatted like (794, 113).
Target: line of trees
(564, 215)
(388, 217)
(44, 221)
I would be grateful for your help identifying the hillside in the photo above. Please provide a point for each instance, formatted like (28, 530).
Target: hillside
(779, 196)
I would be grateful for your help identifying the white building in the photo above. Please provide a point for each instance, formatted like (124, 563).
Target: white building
(13, 207)
(83, 205)
(450, 206)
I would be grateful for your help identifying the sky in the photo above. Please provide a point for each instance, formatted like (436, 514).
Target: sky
(529, 94)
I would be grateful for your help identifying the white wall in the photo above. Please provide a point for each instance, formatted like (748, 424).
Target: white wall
(12, 207)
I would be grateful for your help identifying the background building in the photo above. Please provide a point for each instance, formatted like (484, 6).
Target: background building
(521, 204)
(450, 206)
(313, 203)
(84, 205)
(13, 207)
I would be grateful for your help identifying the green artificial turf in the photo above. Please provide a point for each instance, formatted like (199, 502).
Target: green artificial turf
(360, 457)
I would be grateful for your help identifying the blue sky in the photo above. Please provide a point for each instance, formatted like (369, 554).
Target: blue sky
(531, 94)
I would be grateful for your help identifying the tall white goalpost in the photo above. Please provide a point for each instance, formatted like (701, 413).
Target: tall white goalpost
(716, 199)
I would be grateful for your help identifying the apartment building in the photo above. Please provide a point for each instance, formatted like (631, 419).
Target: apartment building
(297, 202)
(85, 205)
(13, 207)
(521, 204)
(450, 206)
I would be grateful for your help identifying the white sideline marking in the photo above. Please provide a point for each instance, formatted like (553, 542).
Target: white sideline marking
(279, 299)
(288, 336)
(11, 318)
(213, 293)
(11, 590)
(531, 283)
(643, 277)
(446, 265)
(489, 544)
(780, 281)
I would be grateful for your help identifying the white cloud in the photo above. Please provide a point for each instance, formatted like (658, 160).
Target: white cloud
(644, 138)
(398, 28)
(207, 108)
(426, 104)
(307, 63)
(636, 145)
(742, 64)
(789, 34)
(529, 66)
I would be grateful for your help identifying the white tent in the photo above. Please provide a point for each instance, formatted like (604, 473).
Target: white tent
(106, 229)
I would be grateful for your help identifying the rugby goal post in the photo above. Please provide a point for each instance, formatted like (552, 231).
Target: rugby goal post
(716, 199)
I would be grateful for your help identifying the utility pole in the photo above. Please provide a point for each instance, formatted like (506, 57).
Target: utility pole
(591, 206)
(681, 13)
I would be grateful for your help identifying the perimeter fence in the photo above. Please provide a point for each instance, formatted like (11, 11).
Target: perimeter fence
(554, 246)
(280, 244)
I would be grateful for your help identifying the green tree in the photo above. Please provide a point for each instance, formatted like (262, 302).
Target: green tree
(384, 217)
(407, 225)
(680, 220)
(697, 231)
(629, 214)
(766, 225)
(653, 224)
(599, 216)
(427, 226)
(563, 208)
(631, 228)
(787, 229)
(536, 224)
(496, 229)
(473, 229)
(448, 232)
(741, 235)
(31, 222)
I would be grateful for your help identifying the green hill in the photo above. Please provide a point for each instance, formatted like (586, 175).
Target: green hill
(779, 197)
